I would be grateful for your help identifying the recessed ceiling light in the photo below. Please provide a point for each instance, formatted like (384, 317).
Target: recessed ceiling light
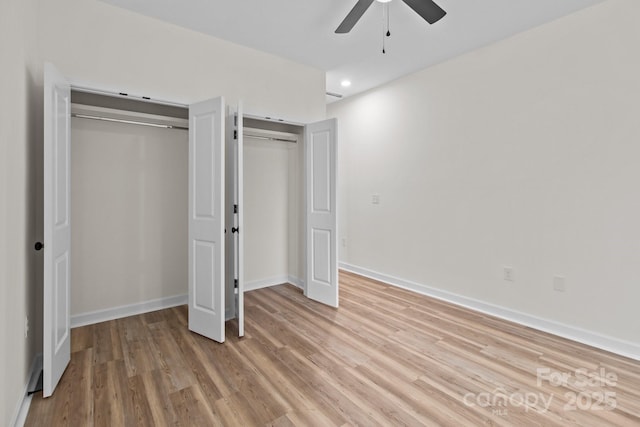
(345, 83)
(384, 1)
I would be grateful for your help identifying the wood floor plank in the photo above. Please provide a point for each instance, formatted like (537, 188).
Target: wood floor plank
(351, 408)
(110, 402)
(236, 410)
(387, 356)
(106, 342)
(82, 338)
(297, 390)
(270, 367)
(137, 351)
(206, 375)
(141, 411)
(193, 409)
(158, 399)
(169, 356)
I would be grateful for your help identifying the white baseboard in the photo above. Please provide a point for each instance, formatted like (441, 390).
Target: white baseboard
(21, 412)
(98, 316)
(127, 310)
(594, 339)
(272, 281)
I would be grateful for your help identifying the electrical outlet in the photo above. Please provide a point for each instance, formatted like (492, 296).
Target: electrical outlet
(558, 284)
(375, 199)
(507, 274)
(26, 326)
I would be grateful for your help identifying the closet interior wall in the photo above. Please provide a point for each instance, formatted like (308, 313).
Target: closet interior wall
(129, 189)
(273, 203)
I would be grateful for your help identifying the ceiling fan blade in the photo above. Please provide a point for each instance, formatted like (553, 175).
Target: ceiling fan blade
(430, 11)
(352, 18)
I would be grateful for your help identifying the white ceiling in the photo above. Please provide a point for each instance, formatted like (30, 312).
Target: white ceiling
(303, 31)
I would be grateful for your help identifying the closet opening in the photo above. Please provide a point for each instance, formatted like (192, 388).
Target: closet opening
(129, 192)
(280, 208)
(273, 203)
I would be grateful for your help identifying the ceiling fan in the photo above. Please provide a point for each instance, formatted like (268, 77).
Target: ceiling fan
(430, 11)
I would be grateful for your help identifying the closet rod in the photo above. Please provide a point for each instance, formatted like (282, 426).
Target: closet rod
(131, 122)
(269, 138)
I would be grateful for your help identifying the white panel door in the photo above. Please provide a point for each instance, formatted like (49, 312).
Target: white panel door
(57, 228)
(206, 219)
(321, 218)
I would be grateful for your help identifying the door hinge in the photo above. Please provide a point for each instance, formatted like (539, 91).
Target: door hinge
(235, 208)
(235, 283)
(235, 230)
(235, 134)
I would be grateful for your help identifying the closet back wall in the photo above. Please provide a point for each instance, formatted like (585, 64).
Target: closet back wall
(266, 199)
(273, 213)
(129, 210)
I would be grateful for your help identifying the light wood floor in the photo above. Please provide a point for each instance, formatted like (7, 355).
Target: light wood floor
(385, 357)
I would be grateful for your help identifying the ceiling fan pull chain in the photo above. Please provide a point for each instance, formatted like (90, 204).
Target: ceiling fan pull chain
(388, 31)
(384, 12)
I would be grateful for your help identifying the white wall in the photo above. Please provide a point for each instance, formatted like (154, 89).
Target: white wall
(18, 126)
(99, 45)
(266, 210)
(96, 44)
(129, 188)
(523, 154)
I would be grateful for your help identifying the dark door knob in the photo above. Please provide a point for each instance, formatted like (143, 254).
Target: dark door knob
(39, 246)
